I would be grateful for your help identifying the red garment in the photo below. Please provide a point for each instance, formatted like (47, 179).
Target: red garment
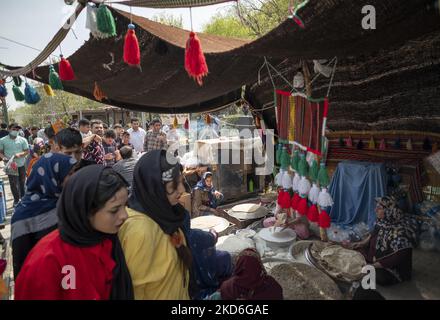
(250, 280)
(41, 275)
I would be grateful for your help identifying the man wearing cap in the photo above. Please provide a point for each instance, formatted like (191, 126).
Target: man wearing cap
(15, 146)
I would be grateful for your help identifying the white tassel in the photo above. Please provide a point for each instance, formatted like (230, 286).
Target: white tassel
(314, 194)
(278, 179)
(304, 186)
(295, 182)
(286, 180)
(325, 199)
(91, 22)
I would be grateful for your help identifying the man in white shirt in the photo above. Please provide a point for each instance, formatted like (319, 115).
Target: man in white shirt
(137, 135)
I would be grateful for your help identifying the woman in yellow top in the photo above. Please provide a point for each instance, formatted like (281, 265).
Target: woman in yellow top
(154, 245)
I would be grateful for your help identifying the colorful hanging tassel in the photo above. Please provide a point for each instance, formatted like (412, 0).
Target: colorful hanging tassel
(372, 144)
(295, 182)
(17, 81)
(49, 90)
(54, 79)
(105, 21)
(304, 187)
(295, 160)
(286, 181)
(175, 123)
(313, 171)
(303, 167)
(323, 177)
(31, 95)
(409, 145)
(313, 214)
(132, 53)
(302, 207)
(427, 144)
(295, 201)
(360, 145)
(324, 220)
(278, 154)
(314, 193)
(285, 159)
(18, 95)
(284, 199)
(186, 125)
(325, 199)
(195, 62)
(279, 179)
(98, 93)
(382, 145)
(349, 142)
(65, 70)
(3, 91)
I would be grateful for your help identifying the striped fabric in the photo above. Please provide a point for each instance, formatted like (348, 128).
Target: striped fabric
(171, 3)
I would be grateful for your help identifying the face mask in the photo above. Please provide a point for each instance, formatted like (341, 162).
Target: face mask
(13, 134)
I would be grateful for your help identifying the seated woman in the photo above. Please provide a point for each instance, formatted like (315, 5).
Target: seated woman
(152, 238)
(389, 247)
(205, 197)
(250, 281)
(35, 215)
(211, 267)
(83, 259)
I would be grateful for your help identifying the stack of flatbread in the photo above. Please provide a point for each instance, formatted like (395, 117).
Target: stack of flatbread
(248, 211)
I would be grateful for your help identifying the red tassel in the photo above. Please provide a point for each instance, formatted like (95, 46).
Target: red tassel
(65, 70)
(313, 214)
(280, 197)
(302, 206)
(324, 220)
(186, 125)
(295, 201)
(284, 199)
(195, 62)
(132, 54)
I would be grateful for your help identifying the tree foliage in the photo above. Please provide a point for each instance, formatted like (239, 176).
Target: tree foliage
(61, 106)
(169, 19)
(251, 18)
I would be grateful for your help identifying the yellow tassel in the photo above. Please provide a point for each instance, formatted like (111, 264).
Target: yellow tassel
(372, 145)
(409, 144)
(175, 123)
(49, 90)
(98, 93)
(291, 133)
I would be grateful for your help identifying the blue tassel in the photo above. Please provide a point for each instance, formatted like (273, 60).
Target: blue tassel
(31, 96)
(3, 91)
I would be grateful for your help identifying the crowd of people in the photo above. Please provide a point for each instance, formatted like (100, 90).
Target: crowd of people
(105, 203)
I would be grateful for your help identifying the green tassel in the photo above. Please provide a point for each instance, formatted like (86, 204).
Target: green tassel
(295, 160)
(18, 81)
(323, 177)
(313, 171)
(105, 21)
(54, 79)
(18, 95)
(285, 159)
(278, 154)
(303, 166)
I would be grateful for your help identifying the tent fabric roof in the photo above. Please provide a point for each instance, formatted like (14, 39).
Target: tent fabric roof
(170, 3)
(384, 74)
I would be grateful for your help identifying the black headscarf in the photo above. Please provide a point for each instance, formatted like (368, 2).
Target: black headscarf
(149, 197)
(75, 228)
(149, 194)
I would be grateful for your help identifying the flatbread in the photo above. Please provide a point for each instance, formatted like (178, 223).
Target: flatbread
(219, 224)
(248, 211)
(303, 282)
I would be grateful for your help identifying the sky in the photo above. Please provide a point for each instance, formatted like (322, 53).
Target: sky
(35, 22)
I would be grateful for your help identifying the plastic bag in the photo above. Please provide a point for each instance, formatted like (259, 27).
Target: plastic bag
(11, 168)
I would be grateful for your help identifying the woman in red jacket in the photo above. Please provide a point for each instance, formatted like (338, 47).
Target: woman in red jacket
(82, 259)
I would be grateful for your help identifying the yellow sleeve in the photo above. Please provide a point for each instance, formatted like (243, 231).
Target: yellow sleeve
(139, 242)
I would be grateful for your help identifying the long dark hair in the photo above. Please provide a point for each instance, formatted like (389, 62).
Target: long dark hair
(109, 184)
